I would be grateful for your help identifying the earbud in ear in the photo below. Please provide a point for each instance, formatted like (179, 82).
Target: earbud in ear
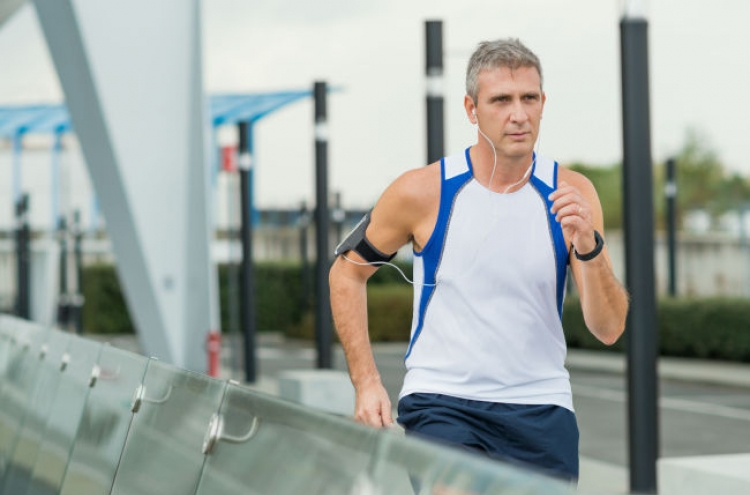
(474, 113)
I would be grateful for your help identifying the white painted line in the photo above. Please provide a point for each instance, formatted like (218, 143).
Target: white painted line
(666, 403)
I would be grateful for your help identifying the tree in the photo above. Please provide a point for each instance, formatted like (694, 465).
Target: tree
(702, 183)
(702, 180)
(608, 183)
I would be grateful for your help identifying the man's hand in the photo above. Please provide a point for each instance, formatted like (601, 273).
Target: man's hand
(574, 213)
(372, 406)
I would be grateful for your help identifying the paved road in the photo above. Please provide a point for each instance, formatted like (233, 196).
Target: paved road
(695, 419)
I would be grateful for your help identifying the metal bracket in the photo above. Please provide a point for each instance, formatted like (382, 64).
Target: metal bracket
(64, 361)
(139, 397)
(215, 433)
(95, 372)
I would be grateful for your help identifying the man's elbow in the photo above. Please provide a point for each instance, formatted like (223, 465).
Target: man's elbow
(609, 332)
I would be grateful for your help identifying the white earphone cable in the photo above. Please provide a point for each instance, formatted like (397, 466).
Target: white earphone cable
(380, 263)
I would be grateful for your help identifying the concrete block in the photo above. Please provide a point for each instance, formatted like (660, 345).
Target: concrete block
(705, 475)
(327, 390)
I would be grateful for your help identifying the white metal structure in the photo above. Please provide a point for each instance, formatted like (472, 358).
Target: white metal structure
(132, 77)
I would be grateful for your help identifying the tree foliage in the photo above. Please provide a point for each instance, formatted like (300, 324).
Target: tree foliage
(703, 182)
(608, 183)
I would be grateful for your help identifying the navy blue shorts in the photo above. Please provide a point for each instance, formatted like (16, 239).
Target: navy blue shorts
(540, 437)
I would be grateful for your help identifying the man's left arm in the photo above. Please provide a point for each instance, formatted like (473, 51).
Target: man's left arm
(603, 299)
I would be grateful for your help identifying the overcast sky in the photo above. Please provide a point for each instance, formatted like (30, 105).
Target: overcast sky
(374, 50)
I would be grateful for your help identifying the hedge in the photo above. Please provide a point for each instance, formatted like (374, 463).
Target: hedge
(283, 296)
(712, 328)
(715, 328)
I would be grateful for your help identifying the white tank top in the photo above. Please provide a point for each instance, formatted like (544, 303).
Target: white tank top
(488, 292)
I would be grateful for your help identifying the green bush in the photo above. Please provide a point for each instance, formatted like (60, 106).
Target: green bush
(279, 295)
(701, 328)
(389, 310)
(104, 309)
(280, 299)
(714, 328)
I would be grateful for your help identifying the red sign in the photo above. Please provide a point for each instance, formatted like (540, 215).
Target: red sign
(229, 158)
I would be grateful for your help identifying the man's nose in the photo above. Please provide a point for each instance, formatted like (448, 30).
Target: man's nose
(518, 113)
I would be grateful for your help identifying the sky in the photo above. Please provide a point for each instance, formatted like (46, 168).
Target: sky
(374, 51)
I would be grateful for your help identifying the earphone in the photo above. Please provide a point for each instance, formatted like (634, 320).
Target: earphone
(494, 155)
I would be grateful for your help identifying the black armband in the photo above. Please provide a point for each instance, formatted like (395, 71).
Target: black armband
(595, 252)
(357, 241)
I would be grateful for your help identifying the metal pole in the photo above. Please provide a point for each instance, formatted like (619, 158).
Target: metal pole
(744, 209)
(670, 190)
(338, 215)
(639, 249)
(304, 224)
(23, 242)
(55, 181)
(233, 273)
(16, 168)
(76, 302)
(248, 270)
(434, 73)
(62, 300)
(322, 229)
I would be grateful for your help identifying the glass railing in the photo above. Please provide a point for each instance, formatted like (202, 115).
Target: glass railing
(105, 421)
(61, 429)
(78, 417)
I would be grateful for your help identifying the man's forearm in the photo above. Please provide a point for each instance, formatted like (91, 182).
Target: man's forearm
(603, 300)
(349, 308)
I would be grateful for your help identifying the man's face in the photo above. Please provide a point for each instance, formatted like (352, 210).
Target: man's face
(509, 108)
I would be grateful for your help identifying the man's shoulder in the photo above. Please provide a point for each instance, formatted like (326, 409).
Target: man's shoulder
(572, 177)
(419, 177)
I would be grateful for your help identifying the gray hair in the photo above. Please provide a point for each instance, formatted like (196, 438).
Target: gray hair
(506, 52)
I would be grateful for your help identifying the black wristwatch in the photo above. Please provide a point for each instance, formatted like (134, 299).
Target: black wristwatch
(595, 252)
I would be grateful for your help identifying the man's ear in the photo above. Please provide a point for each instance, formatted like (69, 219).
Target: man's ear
(471, 109)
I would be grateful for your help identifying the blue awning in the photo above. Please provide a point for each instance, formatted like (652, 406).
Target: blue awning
(224, 108)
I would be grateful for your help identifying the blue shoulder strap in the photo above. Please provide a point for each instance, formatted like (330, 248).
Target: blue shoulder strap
(456, 171)
(544, 179)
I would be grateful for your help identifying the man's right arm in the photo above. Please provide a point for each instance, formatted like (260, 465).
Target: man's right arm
(406, 205)
(348, 284)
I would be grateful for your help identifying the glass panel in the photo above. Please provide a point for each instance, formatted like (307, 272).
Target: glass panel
(12, 339)
(104, 424)
(17, 388)
(29, 437)
(7, 337)
(270, 446)
(7, 348)
(62, 426)
(404, 463)
(163, 452)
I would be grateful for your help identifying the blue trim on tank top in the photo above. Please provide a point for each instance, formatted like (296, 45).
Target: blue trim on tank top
(558, 238)
(431, 253)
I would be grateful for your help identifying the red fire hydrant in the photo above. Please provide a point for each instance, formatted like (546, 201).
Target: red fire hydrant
(213, 347)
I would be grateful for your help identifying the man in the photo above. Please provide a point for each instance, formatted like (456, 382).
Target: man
(493, 230)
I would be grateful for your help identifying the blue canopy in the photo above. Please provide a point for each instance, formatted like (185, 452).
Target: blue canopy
(225, 109)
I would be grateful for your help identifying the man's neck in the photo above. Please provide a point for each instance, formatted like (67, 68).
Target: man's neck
(507, 170)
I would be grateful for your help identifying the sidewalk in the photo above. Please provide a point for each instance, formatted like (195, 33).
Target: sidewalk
(669, 368)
